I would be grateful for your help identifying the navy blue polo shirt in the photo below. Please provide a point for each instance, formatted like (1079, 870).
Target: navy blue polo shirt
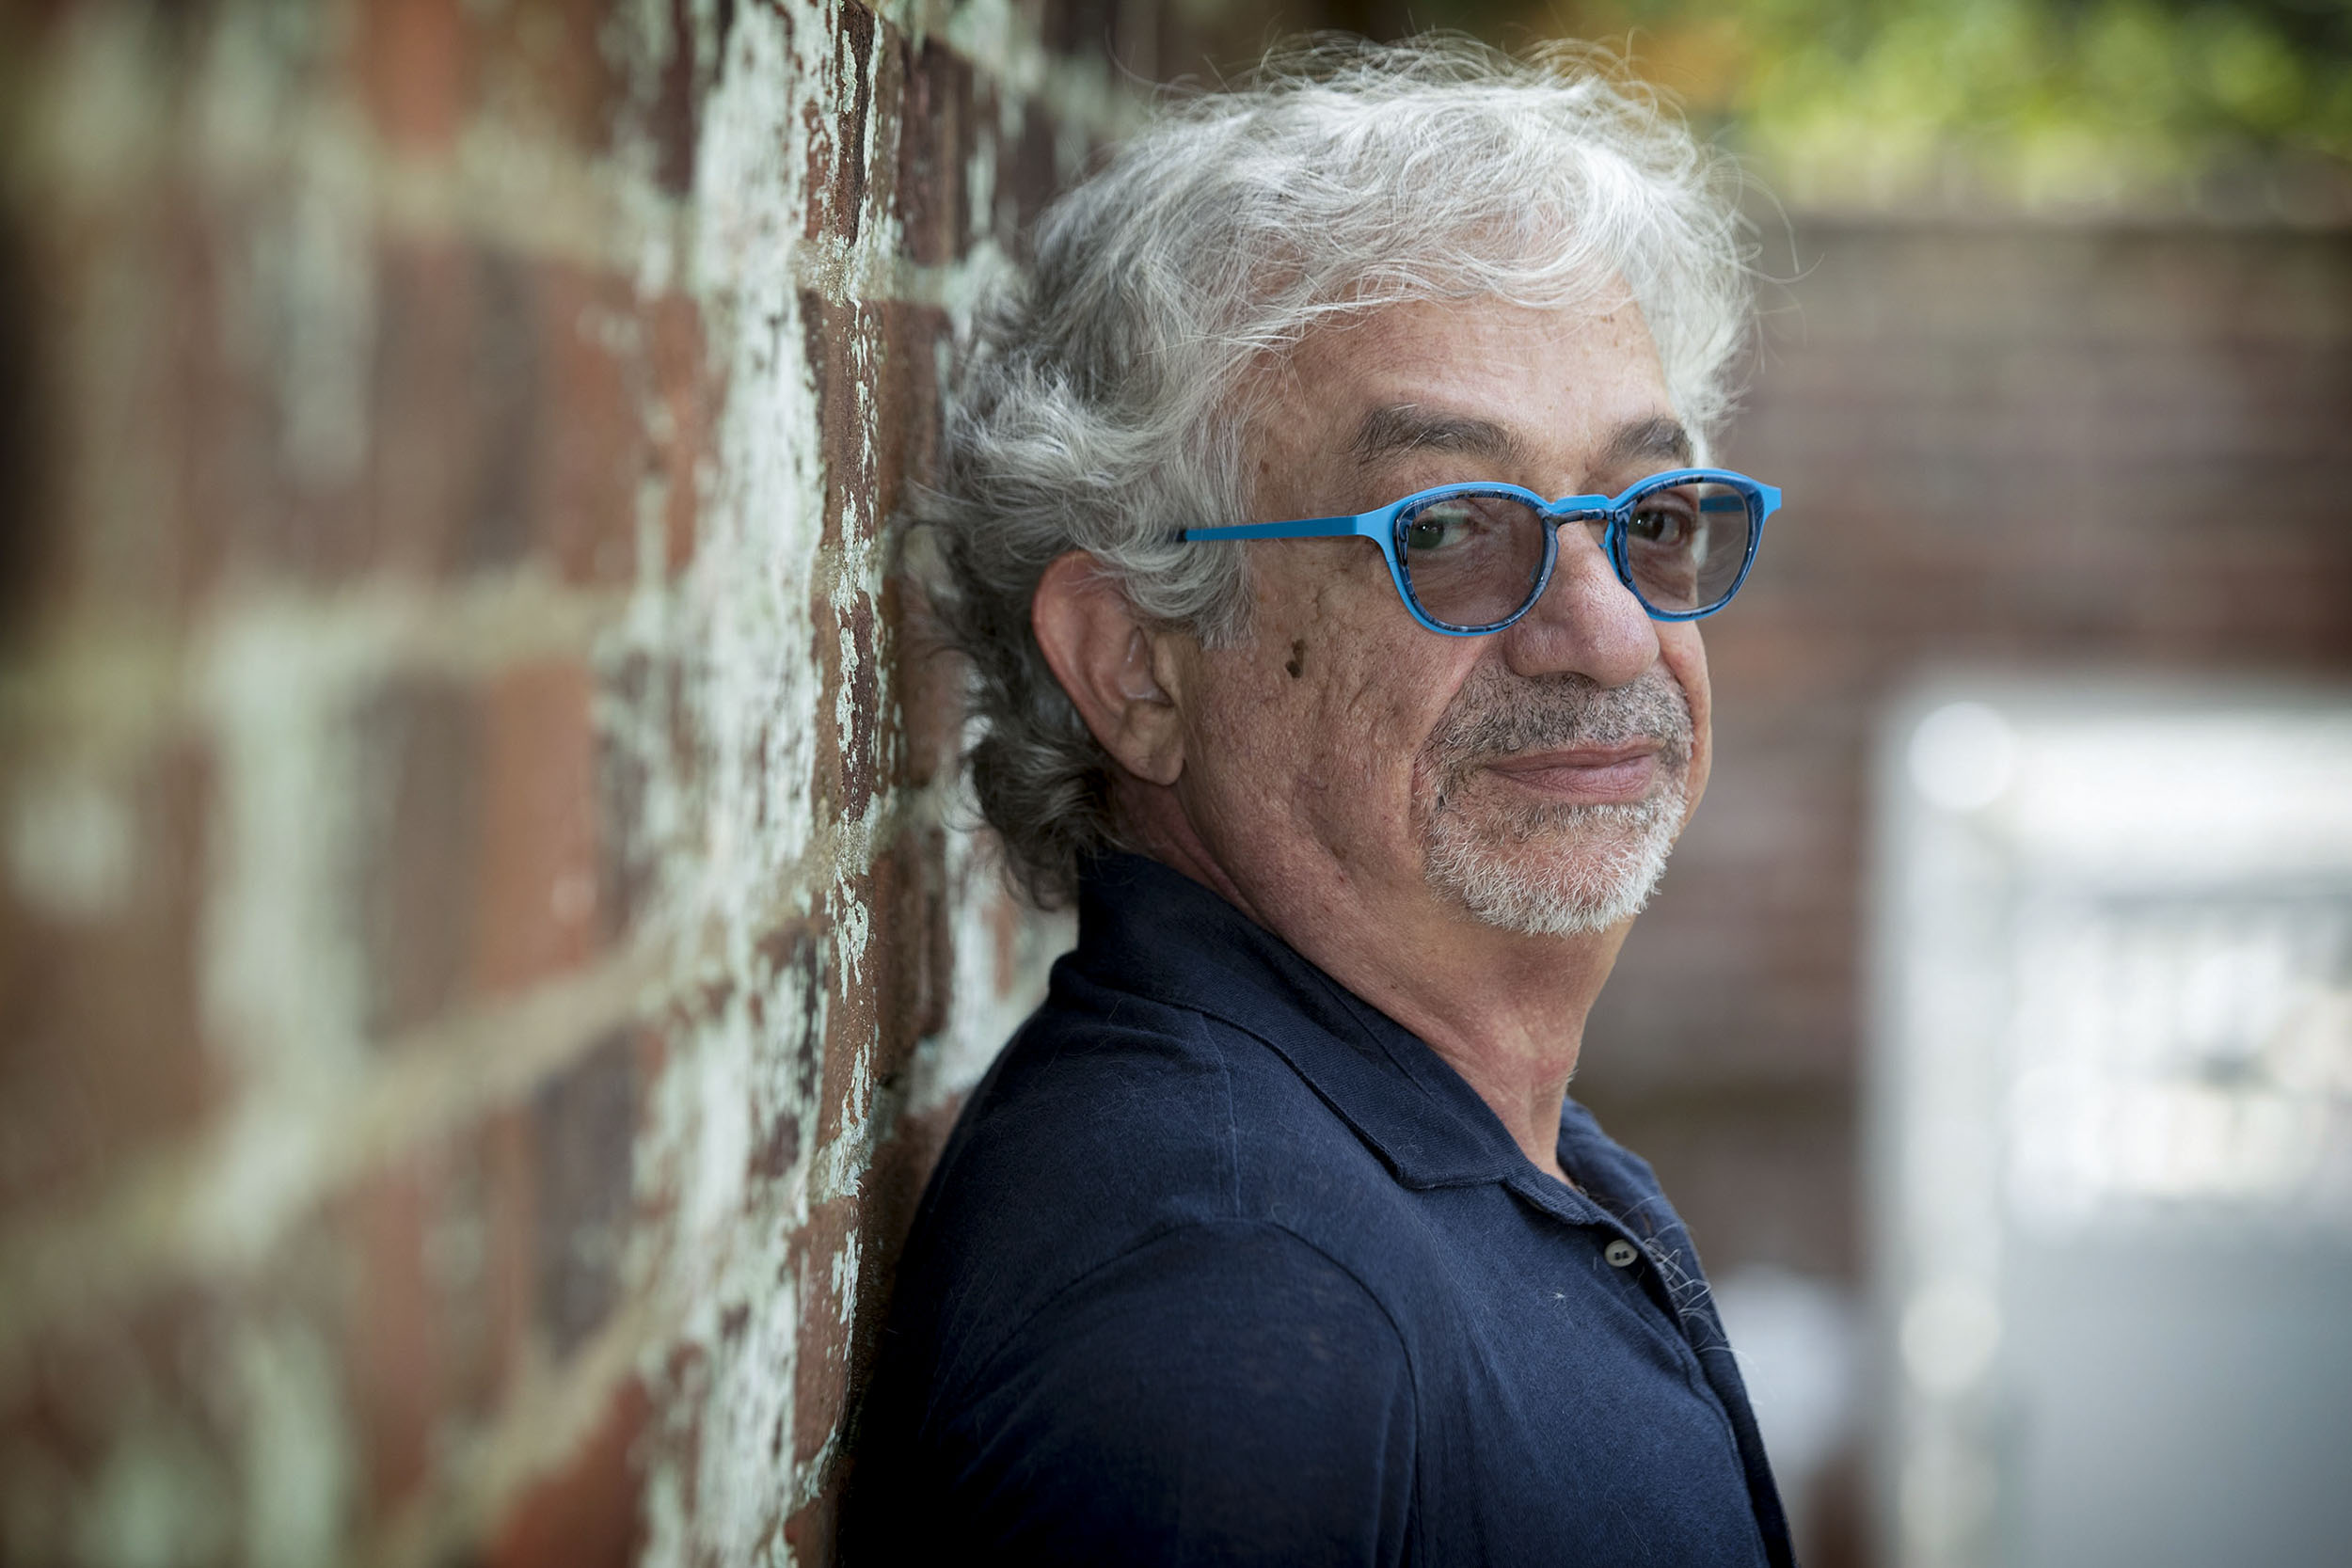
(1221, 1265)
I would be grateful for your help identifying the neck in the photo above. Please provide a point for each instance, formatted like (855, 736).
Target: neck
(1506, 1011)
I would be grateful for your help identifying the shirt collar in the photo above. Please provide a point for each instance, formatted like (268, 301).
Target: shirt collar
(1148, 929)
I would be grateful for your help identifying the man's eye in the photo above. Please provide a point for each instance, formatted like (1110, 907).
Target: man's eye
(1435, 529)
(1659, 525)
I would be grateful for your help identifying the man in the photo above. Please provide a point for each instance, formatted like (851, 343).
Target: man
(1273, 1237)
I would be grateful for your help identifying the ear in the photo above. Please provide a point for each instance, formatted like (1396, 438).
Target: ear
(1105, 659)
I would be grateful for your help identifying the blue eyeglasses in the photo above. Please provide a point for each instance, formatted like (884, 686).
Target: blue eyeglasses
(1471, 559)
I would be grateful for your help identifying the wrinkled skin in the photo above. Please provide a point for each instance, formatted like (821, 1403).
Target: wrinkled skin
(1297, 774)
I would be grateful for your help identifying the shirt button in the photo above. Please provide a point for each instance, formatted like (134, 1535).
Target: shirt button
(1621, 1253)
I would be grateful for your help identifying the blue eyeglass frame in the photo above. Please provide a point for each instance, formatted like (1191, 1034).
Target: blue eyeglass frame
(1386, 525)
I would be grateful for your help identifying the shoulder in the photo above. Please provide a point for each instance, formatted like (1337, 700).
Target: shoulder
(1111, 1127)
(1223, 1390)
(1209, 1302)
(1112, 1116)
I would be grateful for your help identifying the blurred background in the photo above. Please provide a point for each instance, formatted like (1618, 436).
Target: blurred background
(489, 941)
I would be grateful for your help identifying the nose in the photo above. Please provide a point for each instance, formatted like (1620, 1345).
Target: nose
(1586, 621)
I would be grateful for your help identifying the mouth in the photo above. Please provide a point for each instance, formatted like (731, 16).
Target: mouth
(1585, 775)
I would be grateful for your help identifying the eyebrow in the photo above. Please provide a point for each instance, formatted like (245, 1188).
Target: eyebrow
(1659, 438)
(1408, 427)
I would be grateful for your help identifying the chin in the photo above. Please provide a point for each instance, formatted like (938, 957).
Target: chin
(1555, 871)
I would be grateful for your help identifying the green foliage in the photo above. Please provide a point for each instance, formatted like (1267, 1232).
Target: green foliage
(2057, 100)
(2044, 100)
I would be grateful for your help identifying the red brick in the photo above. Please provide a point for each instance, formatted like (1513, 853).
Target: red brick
(626, 398)
(212, 440)
(583, 1126)
(592, 435)
(673, 121)
(459, 410)
(32, 525)
(899, 994)
(936, 131)
(931, 679)
(534, 68)
(519, 405)
(1029, 173)
(412, 62)
(542, 905)
(439, 1307)
(840, 340)
(811, 1534)
(505, 412)
(396, 1324)
(585, 1513)
(421, 746)
(102, 1052)
(836, 146)
(543, 73)
(820, 1373)
(422, 437)
(145, 416)
(907, 396)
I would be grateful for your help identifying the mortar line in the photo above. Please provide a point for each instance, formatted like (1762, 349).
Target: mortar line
(149, 1226)
(112, 680)
(144, 1226)
(534, 1434)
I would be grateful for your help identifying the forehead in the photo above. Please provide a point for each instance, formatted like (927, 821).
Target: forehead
(1543, 386)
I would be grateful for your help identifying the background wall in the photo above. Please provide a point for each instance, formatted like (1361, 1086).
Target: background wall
(2049, 450)
(486, 945)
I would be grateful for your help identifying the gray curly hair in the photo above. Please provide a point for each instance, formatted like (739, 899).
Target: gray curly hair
(1100, 407)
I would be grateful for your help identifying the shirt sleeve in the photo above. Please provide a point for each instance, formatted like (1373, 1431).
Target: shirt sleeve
(1223, 1394)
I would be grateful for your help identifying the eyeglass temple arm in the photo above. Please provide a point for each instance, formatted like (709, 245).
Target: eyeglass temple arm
(1370, 525)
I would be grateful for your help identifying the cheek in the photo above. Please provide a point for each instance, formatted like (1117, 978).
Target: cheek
(1684, 655)
(1364, 678)
(1320, 718)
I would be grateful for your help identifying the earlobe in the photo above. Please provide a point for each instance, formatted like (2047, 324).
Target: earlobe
(1104, 655)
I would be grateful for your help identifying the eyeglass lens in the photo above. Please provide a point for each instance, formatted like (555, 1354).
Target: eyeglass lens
(1475, 560)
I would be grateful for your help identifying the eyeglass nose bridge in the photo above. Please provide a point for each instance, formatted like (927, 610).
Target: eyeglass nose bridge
(1593, 512)
(1599, 514)
(1590, 511)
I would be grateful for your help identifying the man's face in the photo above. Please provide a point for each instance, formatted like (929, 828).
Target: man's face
(1532, 780)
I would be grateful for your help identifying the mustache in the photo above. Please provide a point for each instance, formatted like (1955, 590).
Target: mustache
(1497, 715)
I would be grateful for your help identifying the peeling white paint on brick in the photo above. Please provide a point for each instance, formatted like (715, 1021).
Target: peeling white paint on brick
(743, 621)
(983, 1012)
(750, 855)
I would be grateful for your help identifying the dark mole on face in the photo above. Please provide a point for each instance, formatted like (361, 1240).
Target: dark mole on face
(1297, 666)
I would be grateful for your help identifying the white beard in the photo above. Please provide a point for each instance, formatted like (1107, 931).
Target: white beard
(1576, 871)
(1550, 870)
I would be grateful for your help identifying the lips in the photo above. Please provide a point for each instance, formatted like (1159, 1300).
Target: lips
(1585, 775)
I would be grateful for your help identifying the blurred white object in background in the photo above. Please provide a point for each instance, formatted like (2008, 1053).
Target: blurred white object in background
(1962, 756)
(1795, 1339)
(2111, 1127)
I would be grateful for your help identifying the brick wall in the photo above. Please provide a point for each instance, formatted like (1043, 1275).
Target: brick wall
(488, 942)
(2043, 451)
